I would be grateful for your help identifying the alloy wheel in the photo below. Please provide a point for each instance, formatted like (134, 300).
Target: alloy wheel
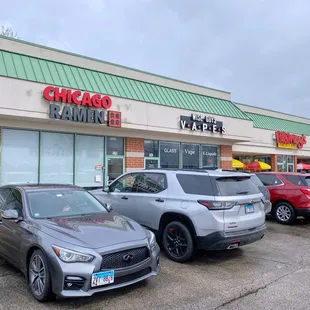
(176, 241)
(284, 213)
(37, 275)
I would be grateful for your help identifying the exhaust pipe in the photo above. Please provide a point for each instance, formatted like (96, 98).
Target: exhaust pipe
(233, 246)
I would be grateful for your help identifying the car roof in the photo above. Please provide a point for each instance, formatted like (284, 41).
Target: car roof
(38, 187)
(284, 173)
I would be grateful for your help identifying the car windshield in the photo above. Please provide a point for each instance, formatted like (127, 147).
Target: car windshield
(256, 180)
(62, 203)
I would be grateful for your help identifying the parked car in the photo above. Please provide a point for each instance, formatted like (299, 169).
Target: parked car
(190, 210)
(290, 194)
(68, 243)
(264, 190)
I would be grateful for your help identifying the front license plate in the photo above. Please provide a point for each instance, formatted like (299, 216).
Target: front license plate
(102, 278)
(249, 209)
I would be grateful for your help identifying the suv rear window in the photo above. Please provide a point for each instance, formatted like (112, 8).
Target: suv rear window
(195, 184)
(235, 186)
(256, 180)
(295, 179)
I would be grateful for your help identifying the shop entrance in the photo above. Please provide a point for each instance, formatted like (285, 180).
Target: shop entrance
(285, 163)
(115, 167)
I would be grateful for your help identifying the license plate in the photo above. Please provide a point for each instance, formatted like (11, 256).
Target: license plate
(249, 209)
(102, 278)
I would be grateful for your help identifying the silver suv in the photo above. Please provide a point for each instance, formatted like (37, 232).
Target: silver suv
(190, 209)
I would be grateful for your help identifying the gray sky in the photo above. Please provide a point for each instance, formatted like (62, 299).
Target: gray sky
(258, 50)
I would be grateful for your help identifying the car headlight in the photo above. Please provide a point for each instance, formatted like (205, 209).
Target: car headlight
(152, 239)
(68, 256)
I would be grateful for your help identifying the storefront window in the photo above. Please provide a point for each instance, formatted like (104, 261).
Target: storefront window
(89, 159)
(190, 156)
(209, 156)
(285, 163)
(169, 154)
(56, 158)
(151, 148)
(19, 156)
(115, 146)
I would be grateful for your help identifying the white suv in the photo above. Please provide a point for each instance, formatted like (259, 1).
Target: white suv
(190, 209)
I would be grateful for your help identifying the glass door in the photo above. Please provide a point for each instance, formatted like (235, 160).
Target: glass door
(151, 163)
(114, 168)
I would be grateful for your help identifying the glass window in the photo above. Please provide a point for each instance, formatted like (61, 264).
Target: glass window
(89, 159)
(115, 146)
(209, 156)
(56, 158)
(295, 179)
(63, 203)
(149, 183)
(234, 186)
(190, 156)
(169, 154)
(151, 163)
(195, 184)
(124, 184)
(307, 180)
(115, 168)
(269, 179)
(151, 148)
(15, 202)
(19, 156)
(290, 159)
(4, 193)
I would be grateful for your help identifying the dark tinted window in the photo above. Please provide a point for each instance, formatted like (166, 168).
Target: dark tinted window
(151, 148)
(14, 202)
(115, 146)
(256, 180)
(269, 179)
(307, 179)
(169, 154)
(190, 156)
(195, 184)
(234, 186)
(295, 179)
(4, 193)
(149, 183)
(209, 156)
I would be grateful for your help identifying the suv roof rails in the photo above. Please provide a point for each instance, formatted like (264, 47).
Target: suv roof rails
(183, 169)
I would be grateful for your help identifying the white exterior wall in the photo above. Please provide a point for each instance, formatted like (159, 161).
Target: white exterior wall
(22, 105)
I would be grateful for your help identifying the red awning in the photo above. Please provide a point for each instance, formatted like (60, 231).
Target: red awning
(303, 166)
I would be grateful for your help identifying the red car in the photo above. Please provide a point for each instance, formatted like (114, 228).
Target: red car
(290, 194)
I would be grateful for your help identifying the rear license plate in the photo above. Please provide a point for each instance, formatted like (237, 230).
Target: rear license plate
(102, 278)
(249, 209)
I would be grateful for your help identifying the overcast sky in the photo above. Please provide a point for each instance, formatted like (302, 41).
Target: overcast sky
(258, 50)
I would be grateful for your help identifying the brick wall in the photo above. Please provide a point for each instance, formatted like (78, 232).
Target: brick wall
(274, 162)
(226, 156)
(295, 163)
(134, 151)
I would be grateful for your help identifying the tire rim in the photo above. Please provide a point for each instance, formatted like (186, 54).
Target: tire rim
(176, 241)
(284, 213)
(37, 275)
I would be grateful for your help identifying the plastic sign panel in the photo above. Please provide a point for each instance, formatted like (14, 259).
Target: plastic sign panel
(287, 140)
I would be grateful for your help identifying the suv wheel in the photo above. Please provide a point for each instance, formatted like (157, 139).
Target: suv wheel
(178, 242)
(39, 278)
(284, 213)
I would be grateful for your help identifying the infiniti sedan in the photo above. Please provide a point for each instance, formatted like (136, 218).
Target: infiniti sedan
(69, 244)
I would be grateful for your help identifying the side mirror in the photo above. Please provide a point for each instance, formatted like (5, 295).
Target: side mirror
(109, 207)
(106, 189)
(10, 215)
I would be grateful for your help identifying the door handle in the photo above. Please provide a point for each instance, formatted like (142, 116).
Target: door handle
(124, 197)
(159, 200)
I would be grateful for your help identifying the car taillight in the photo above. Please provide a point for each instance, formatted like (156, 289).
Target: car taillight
(306, 191)
(216, 205)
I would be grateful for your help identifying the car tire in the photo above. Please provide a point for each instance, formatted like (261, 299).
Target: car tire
(284, 213)
(39, 277)
(178, 242)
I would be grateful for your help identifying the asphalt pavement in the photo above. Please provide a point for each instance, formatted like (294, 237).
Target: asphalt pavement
(273, 273)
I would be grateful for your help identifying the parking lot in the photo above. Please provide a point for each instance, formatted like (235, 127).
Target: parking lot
(273, 273)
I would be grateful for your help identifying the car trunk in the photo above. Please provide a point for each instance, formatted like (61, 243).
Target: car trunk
(247, 211)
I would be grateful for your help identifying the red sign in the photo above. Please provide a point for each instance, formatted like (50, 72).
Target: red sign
(289, 140)
(114, 119)
(64, 95)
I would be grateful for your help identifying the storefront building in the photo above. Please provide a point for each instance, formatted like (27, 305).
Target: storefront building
(70, 119)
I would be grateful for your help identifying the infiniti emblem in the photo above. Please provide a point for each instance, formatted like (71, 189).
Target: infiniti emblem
(127, 257)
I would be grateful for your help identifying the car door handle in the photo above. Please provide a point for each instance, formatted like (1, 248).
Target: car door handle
(124, 197)
(159, 200)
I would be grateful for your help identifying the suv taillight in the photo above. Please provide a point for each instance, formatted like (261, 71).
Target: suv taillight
(216, 205)
(306, 191)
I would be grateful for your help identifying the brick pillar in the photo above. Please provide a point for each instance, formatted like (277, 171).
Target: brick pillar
(274, 162)
(134, 152)
(295, 163)
(226, 156)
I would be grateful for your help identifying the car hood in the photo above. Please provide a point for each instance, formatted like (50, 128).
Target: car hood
(93, 231)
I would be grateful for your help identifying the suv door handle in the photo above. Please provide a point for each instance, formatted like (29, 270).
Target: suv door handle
(159, 200)
(124, 197)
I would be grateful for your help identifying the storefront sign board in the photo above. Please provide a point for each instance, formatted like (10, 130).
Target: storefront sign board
(287, 140)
